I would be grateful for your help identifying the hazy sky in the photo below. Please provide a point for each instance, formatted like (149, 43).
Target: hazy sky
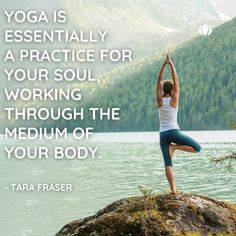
(226, 6)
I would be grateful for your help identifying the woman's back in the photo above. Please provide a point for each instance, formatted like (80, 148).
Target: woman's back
(168, 115)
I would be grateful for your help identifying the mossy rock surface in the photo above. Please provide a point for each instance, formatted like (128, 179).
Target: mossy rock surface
(163, 214)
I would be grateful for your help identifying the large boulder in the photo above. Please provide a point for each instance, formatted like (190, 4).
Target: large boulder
(163, 214)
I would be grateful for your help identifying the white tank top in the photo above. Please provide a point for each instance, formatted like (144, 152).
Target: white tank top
(167, 115)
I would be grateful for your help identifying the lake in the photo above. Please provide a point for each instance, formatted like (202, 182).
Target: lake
(127, 160)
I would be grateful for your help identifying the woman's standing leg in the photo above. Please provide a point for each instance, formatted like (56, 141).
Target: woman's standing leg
(168, 162)
(170, 177)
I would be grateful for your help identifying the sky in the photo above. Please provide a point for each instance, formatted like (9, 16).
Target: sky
(228, 7)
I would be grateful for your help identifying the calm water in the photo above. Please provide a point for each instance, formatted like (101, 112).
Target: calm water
(128, 160)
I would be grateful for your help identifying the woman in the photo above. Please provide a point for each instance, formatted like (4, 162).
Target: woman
(171, 138)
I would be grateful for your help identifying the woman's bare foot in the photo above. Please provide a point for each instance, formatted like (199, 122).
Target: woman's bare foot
(171, 151)
(173, 192)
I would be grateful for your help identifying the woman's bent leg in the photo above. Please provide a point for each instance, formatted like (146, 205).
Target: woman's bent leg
(174, 147)
(184, 140)
(183, 143)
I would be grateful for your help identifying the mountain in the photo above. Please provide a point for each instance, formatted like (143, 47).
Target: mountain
(146, 26)
(206, 68)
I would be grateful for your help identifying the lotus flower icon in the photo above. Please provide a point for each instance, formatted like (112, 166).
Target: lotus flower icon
(205, 30)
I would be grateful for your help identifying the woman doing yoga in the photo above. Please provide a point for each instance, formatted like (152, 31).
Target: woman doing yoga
(171, 138)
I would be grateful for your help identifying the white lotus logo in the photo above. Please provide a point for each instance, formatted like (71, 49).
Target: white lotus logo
(205, 30)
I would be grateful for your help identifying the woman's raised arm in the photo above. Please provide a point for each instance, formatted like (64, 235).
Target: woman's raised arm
(175, 95)
(159, 85)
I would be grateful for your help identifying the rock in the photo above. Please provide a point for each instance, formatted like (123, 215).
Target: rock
(162, 214)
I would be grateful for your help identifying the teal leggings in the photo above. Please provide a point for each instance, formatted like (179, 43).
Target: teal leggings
(177, 137)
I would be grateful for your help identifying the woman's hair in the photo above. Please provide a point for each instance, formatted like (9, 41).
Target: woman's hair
(167, 87)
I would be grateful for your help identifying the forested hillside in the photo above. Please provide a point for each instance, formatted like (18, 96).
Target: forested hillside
(206, 67)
